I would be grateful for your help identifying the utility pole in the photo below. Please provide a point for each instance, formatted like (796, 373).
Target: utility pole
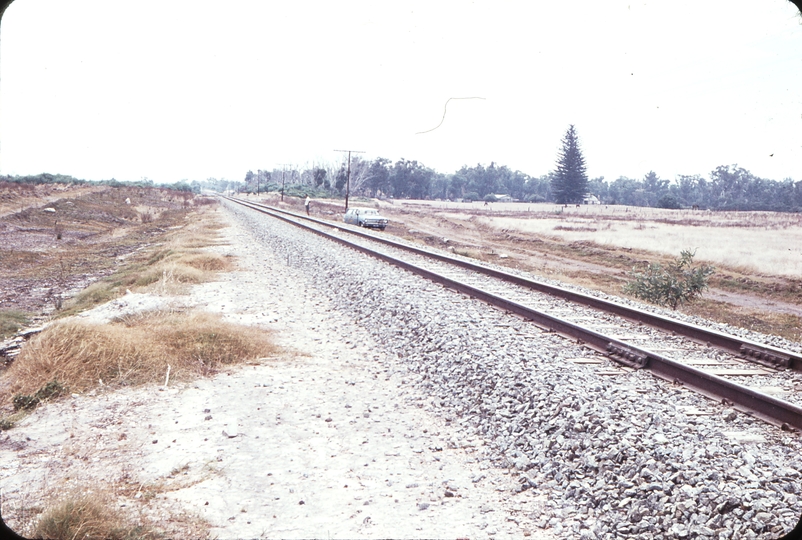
(283, 169)
(348, 177)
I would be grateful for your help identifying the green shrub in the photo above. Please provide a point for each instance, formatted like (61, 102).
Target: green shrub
(671, 285)
(50, 390)
(23, 402)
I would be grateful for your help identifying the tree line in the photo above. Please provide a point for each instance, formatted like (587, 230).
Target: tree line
(47, 178)
(725, 188)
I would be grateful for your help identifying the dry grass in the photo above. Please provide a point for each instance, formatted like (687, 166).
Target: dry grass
(87, 516)
(471, 253)
(761, 242)
(168, 267)
(132, 351)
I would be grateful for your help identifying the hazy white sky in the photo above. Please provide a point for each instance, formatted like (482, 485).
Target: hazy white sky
(179, 89)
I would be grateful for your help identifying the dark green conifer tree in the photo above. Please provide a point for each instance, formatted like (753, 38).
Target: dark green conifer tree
(570, 182)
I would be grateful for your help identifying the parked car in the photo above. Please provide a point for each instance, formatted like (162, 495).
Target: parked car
(365, 217)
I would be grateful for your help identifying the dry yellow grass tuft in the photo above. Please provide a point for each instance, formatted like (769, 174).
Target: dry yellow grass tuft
(135, 350)
(87, 517)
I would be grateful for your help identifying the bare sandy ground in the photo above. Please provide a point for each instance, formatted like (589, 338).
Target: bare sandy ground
(329, 440)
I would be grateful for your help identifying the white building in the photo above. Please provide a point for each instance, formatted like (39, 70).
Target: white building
(590, 199)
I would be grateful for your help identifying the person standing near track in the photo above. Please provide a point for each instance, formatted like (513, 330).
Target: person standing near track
(306, 204)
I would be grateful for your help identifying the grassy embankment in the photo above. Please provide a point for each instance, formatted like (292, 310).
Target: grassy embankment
(74, 356)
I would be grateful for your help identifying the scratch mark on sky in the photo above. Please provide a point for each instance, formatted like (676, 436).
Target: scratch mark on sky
(445, 108)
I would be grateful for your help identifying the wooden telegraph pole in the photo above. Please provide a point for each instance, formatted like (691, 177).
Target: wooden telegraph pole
(348, 177)
(283, 170)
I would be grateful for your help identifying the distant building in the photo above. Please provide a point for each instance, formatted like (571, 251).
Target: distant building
(590, 199)
(502, 198)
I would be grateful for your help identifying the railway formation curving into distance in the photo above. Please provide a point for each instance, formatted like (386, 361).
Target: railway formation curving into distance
(698, 358)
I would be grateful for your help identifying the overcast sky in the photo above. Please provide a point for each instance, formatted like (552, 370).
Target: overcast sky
(178, 89)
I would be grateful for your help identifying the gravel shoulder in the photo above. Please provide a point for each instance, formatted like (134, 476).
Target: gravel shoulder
(330, 439)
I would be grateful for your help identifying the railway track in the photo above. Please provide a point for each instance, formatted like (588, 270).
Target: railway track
(744, 374)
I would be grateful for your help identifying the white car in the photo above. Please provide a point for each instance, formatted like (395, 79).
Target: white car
(365, 217)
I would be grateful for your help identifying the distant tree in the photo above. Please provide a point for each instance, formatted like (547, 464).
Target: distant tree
(250, 182)
(669, 201)
(654, 188)
(539, 189)
(600, 188)
(457, 186)
(410, 179)
(341, 178)
(514, 182)
(360, 173)
(378, 178)
(319, 175)
(570, 183)
(438, 189)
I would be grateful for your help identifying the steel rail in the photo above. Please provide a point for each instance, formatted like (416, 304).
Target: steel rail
(759, 353)
(768, 408)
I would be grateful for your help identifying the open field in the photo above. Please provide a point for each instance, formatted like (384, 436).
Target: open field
(762, 242)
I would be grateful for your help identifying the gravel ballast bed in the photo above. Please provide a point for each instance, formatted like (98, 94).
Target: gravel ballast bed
(618, 456)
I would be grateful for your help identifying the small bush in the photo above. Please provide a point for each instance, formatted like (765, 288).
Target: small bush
(23, 402)
(50, 390)
(676, 283)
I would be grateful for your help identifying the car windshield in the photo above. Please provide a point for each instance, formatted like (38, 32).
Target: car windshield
(369, 212)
